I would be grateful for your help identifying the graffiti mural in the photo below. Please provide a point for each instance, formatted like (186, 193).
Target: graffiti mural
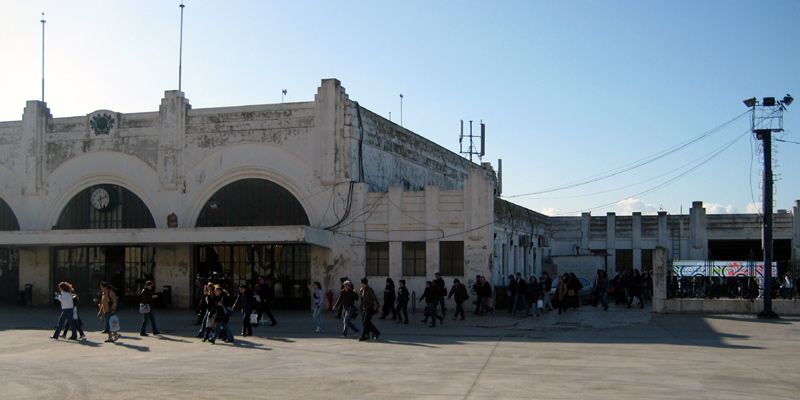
(721, 269)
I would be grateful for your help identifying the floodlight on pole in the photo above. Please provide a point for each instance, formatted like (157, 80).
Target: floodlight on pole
(401, 109)
(765, 119)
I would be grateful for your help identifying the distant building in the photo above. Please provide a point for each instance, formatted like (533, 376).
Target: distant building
(615, 243)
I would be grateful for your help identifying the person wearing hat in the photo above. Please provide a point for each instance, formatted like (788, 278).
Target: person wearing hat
(460, 292)
(244, 302)
(347, 306)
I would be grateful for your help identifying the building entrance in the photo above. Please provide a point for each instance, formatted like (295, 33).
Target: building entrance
(125, 267)
(9, 275)
(231, 265)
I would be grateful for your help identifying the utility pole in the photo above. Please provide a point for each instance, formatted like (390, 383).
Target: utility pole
(43, 21)
(401, 109)
(180, 50)
(767, 117)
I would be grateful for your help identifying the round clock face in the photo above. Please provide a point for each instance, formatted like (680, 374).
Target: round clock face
(100, 199)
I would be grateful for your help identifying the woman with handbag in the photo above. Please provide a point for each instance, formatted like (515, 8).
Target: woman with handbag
(108, 311)
(146, 308)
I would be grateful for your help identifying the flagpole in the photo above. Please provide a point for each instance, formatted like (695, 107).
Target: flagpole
(180, 51)
(43, 21)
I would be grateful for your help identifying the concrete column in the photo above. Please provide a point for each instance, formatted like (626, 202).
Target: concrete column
(396, 260)
(173, 116)
(393, 205)
(431, 258)
(32, 146)
(698, 242)
(329, 109)
(663, 231)
(636, 240)
(586, 220)
(659, 279)
(796, 232)
(34, 268)
(432, 213)
(173, 268)
(611, 239)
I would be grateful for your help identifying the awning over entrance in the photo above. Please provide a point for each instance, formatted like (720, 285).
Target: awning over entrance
(102, 237)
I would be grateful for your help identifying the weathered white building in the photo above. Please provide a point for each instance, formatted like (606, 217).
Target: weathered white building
(614, 242)
(305, 191)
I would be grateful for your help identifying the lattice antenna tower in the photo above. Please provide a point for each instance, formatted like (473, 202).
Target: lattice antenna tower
(472, 148)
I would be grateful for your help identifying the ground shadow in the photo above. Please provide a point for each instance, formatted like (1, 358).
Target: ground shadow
(586, 325)
(131, 346)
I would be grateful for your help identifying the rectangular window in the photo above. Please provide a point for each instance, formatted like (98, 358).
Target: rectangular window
(624, 260)
(413, 258)
(647, 260)
(378, 259)
(451, 258)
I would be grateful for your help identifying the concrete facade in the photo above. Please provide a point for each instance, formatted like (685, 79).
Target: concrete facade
(587, 243)
(359, 178)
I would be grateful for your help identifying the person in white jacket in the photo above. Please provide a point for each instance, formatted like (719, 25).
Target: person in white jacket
(67, 305)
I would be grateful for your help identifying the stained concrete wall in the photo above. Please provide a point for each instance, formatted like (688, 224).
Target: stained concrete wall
(682, 236)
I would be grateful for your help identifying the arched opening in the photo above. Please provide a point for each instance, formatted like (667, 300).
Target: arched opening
(105, 207)
(256, 202)
(9, 258)
(125, 266)
(252, 202)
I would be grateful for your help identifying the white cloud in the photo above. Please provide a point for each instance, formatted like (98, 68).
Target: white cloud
(631, 205)
(753, 208)
(549, 211)
(716, 208)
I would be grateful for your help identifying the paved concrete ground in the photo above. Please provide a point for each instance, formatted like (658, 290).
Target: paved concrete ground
(588, 354)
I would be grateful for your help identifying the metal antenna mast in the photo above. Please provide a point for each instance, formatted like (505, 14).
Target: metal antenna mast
(180, 50)
(472, 148)
(767, 117)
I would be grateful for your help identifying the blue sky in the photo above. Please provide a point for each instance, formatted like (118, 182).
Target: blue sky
(568, 89)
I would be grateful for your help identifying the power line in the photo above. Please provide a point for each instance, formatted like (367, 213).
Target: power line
(635, 164)
(669, 181)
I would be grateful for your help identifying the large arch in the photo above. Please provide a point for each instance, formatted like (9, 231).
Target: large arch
(252, 202)
(209, 174)
(8, 220)
(101, 168)
(105, 206)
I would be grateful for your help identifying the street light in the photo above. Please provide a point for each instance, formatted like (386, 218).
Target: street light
(401, 109)
(770, 111)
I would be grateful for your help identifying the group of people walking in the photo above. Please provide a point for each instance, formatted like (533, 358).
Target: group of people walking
(107, 306)
(217, 306)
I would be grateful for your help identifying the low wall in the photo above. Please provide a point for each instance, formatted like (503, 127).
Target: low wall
(728, 306)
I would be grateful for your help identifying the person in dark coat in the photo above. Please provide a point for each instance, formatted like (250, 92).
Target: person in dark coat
(478, 293)
(635, 283)
(431, 298)
(520, 296)
(346, 307)
(402, 302)
(146, 297)
(459, 291)
(388, 300)
(574, 287)
(369, 307)
(442, 290)
(221, 316)
(267, 294)
(244, 302)
(512, 291)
